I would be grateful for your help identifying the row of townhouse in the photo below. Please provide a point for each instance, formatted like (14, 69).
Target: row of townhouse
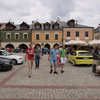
(44, 34)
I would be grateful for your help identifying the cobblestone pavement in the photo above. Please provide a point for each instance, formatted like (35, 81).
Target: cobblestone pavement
(77, 83)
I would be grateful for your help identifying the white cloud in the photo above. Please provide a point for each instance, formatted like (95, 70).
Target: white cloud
(86, 12)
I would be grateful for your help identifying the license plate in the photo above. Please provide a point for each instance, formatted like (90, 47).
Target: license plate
(7, 63)
(85, 58)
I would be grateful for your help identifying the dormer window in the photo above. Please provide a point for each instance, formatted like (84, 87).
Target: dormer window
(71, 23)
(55, 26)
(10, 26)
(47, 26)
(37, 26)
(24, 26)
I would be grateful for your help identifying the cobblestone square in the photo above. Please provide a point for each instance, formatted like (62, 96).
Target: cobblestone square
(76, 83)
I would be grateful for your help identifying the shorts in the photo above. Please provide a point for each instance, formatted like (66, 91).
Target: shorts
(53, 62)
(63, 60)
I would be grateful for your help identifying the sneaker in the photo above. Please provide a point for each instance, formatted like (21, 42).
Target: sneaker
(55, 72)
(37, 67)
(97, 74)
(62, 71)
(51, 71)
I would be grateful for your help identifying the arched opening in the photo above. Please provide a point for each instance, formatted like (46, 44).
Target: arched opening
(47, 46)
(9, 46)
(38, 45)
(23, 46)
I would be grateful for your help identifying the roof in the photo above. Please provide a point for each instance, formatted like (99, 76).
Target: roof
(25, 24)
(17, 28)
(42, 26)
(96, 30)
(65, 25)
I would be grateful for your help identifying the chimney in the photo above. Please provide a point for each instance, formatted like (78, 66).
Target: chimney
(76, 22)
(32, 22)
(52, 22)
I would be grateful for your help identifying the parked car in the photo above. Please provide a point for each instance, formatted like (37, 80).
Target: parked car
(2, 48)
(96, 56)
(80, 57)
(8, 49)
(17, 50)
(5, 64)
(46, 51)
(15, 58)
(24, 51)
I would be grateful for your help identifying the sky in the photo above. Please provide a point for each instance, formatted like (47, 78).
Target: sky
(87, 12)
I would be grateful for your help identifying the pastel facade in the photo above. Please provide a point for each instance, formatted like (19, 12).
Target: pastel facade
(74, 31)
(43, 34)
(14, 36)
(47, 34)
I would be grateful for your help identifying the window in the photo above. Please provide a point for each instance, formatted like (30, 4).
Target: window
(73, 53)
(37, 36)
(25, 36)
(68, 34)
(47, 27)
(8, 36)
(56, 36)
(86, 34)
(25, 27)
(97, 37)
(56, 27)
(47, 36)
(77, 34)
(37, 26)
(16, 36)
(84, 54)
(9, 28)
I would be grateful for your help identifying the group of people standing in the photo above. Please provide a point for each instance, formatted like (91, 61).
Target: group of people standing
(54, 57)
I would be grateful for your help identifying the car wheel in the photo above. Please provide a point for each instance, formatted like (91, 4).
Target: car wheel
(73, 63)
(14, 61)
(0, 67)
(90, 64)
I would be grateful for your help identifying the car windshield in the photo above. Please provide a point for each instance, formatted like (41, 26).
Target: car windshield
(84, 54)
(7, 53)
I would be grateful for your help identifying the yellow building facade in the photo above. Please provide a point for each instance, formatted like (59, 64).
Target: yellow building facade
(46, 35)
(46, 39)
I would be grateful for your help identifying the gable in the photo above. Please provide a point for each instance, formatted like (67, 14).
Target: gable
(24, 26)
(10, 26)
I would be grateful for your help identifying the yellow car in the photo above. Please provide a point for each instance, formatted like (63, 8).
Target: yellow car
(80, 57)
